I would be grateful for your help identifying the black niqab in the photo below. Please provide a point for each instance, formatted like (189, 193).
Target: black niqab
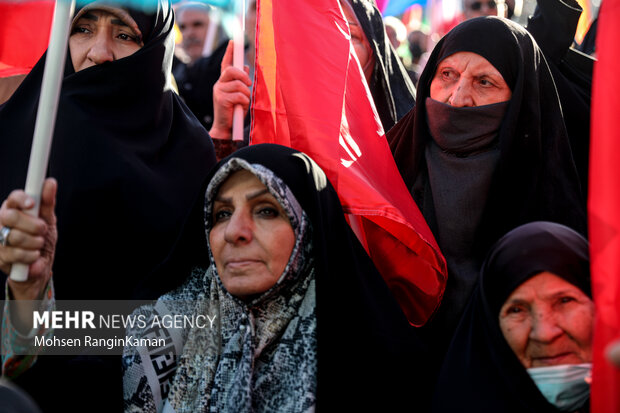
(536, 178)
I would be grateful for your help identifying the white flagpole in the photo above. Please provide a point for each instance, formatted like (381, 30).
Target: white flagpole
(214, 24)
(238, 62)
(46, 113)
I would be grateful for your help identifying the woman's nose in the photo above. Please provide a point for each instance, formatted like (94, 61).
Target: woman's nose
(101, 50)
(545, 327)
(461, 95)
(239, 228)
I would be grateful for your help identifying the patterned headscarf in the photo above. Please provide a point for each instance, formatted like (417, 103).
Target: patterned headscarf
(258, 354)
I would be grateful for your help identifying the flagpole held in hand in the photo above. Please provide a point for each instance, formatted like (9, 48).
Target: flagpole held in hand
(46, 114)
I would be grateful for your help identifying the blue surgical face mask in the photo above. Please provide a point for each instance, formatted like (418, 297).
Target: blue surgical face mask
(567, 386)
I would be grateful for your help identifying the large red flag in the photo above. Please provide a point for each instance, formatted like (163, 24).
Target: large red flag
(604, 207)
(24, 34)
(310, 94)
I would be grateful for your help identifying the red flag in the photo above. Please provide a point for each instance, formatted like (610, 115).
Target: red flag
(24, 34)
(604, 207)
(310, 93)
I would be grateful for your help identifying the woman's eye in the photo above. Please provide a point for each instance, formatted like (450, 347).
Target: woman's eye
(566, 299)
(126, 37)
(447, 74)
(485, 82)
(268, 212)
(356, 38)
(514, 310)
(221, 215)
(79, 29)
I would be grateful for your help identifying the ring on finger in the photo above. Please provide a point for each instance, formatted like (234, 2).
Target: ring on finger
(4, 236)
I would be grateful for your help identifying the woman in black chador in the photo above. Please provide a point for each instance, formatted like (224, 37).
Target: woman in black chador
(130, 160)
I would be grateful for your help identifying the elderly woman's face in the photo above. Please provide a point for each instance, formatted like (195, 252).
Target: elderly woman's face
(548, 321)
(252, 238)
(468, 79)
(99, 36)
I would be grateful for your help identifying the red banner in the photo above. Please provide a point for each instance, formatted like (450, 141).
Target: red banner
(310, 94)
(24, 34)
(604, 207)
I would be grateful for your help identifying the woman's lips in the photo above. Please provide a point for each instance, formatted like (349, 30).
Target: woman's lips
(240, 263)
(562, 358)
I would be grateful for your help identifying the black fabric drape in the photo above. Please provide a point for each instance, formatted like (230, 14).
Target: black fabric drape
(391, 87)
(535, 178)
(553, 25)
(481, 373)
(369, 357)
(130, 160)
(196, 81)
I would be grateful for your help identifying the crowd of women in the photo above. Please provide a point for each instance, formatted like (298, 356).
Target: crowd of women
(138, 208)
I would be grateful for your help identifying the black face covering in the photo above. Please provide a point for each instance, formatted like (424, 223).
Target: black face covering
(464, 131)
(461, 160)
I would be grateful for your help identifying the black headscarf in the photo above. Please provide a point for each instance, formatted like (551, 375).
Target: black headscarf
(481, 373)
(369, 358)
(391, 87)
(536, 172)
(536, 177)
(130, 160)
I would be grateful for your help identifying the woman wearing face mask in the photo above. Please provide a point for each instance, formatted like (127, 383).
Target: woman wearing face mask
(302, 319)
(525, 340)
(484, 150)
(130, 160)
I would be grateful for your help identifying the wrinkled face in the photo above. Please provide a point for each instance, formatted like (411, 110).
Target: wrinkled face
(548, 321)
(360, 43)
(478, 8)
(193, 25)
(99, 36)
(468, 79)
(252, 238)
